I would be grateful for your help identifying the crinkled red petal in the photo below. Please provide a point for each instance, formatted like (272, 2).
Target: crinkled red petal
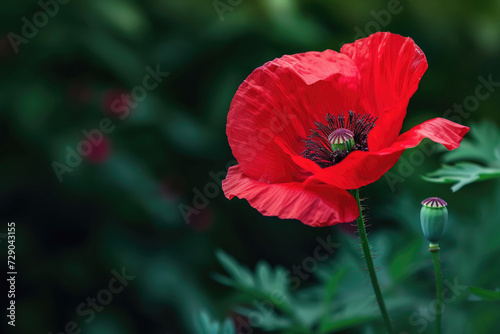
(314, 204)
(391, 67)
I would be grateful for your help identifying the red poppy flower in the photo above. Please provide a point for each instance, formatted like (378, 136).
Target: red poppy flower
(353, 101)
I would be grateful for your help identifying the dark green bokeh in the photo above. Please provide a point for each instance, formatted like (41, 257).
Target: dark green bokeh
(121, 209)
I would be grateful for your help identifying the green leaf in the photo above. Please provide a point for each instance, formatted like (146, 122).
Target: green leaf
(350, 315)
(358, 312)
(239, 273)
(264, 278)
(462, 174)
(407, 261)
(484, 146)
(485, 294)
(334, 283)
(267, 288)
(269, 280)
(265, 318)
(266, 281)
(206, 325)
(223, 279)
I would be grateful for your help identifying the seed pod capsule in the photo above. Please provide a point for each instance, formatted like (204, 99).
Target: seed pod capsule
(341, 139)
(434, 217)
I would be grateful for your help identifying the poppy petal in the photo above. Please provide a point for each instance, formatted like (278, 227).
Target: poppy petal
(282, 99)
(361, 168)
(314, 204)
(391, 67)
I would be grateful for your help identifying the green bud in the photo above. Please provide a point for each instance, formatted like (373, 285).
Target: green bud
(434, 217)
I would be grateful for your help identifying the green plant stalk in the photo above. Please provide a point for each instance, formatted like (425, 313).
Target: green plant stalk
(439, 289)
(371, 269)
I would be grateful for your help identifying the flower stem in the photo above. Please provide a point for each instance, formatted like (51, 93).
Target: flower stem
(439, 288)
(371, 269)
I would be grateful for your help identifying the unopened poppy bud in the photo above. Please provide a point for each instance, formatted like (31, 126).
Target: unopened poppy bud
(434, 217)
(341, 139)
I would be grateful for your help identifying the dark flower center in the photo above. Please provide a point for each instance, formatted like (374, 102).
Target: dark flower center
(329, 144)
(341, 139)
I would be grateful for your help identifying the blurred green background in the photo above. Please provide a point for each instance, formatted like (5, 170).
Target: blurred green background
(122, 205)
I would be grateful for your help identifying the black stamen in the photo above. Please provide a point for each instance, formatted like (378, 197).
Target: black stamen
(318, 147)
